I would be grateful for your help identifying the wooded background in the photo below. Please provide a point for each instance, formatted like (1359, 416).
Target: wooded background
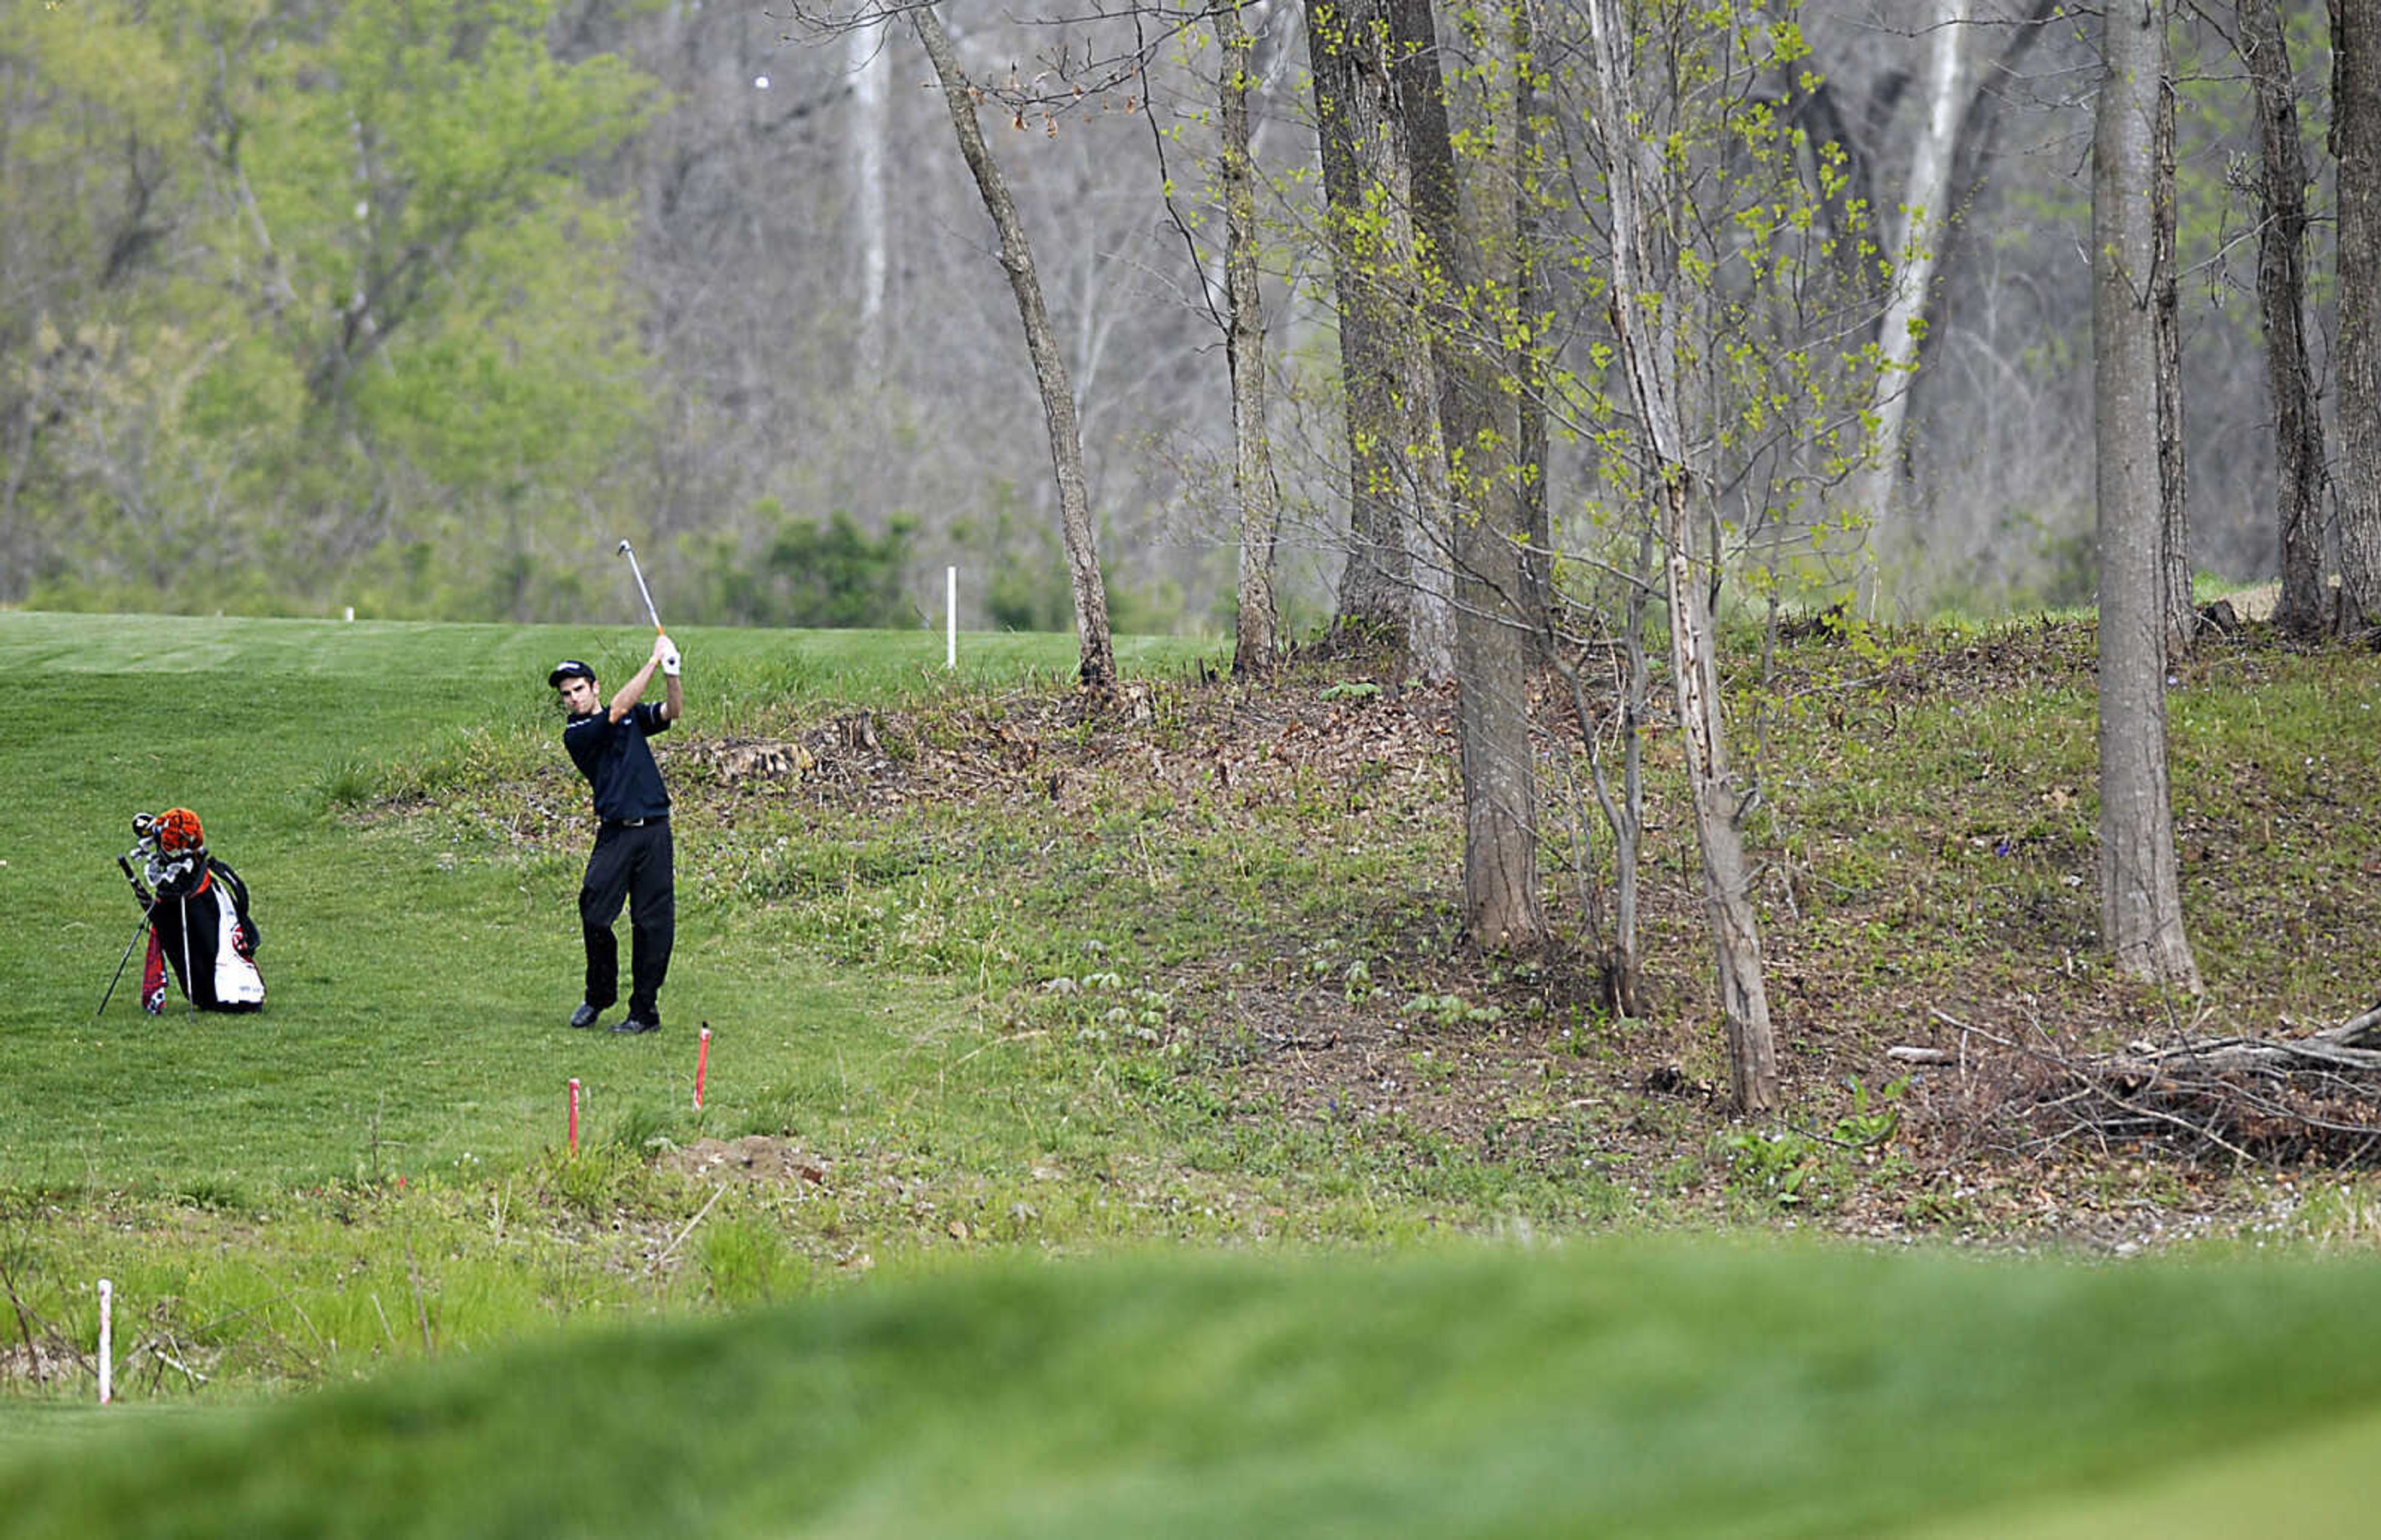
(418, 305)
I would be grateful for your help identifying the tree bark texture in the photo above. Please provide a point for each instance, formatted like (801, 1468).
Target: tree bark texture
(1530, 297)
(1260, 500)
(2141, 903)
(871, 67)
(2281, 304)
(2165, 319)
(1646, 288)
(1925, 227)
(2356, 144)
(1097, 667)
(1418, 104)
(1625, 970)
(1400, 575)
(1614, 937)
(1351, 108)
(1978, 155)
(1469, 263)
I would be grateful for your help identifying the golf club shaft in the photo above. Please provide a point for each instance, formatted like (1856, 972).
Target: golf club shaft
(140, 894)
(639, 573)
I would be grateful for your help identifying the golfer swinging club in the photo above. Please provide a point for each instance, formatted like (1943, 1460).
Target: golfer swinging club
(632, 859)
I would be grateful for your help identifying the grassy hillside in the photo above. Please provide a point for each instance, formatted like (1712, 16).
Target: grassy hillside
(279, 1194)
(413, 979)
(995, 973)
(1603, 1389)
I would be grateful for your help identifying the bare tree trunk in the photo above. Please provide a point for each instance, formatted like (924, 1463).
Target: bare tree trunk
(1398, 460)
(1925, 224)
(1648, 298)
(2165, 319)
(1468, 243)
(1622, 963)
(1501, 906)
(1727, 880)
(2141, 903)
(19, 548)
(2356, 143)
(865, 56)
(1980, 154)
(1097, 668)
(1530, 360)
(1430, 554)
(1353, 109)
(1253, 641)
(1626, 968)
(2281, 301)
(1419, 104)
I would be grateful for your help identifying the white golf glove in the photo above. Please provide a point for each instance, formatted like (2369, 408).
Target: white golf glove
(670, 660)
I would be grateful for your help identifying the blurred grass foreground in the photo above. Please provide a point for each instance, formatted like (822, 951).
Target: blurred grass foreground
(1621, 1388)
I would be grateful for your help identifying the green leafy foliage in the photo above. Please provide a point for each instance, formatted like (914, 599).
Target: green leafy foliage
(359, 336)
(813, 574)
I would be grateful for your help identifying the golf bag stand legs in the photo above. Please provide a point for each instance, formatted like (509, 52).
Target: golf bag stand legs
(137, 932)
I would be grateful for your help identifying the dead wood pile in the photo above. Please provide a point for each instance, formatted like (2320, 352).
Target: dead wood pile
(2309, 1099)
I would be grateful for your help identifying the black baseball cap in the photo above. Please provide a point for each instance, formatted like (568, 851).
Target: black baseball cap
(568, 668)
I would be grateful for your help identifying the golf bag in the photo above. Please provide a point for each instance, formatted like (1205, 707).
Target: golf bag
(199, 928)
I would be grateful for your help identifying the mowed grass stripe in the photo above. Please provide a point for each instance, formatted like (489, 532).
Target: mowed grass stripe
(418, 986)
(2319, 1483)
(1617, 1388)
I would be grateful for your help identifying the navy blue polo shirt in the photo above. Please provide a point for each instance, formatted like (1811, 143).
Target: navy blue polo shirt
(616, 762)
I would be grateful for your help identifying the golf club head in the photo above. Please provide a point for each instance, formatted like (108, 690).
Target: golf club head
(624, 550)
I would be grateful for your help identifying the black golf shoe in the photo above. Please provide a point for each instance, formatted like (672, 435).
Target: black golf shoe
(585, 1016)
(638, 1023)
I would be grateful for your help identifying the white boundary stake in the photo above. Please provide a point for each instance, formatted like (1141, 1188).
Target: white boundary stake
(106, 1341)
(951, 618)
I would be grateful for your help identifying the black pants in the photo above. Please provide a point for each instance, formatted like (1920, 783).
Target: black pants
(632, 864)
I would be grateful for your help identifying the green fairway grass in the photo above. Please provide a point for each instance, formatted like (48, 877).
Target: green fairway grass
(413, 987)
(1619, 1389)
(2309, 1485)
(373, 1165)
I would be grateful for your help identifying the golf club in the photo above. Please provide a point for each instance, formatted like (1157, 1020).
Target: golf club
(630, 552)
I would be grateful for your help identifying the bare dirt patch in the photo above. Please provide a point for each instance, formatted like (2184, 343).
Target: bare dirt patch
(754, 1158)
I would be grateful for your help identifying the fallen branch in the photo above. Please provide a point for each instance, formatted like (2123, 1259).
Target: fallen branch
(672, 1247)
(2353, 1045)
(2253, 1099)
(2357, 1031)
(24, 1325)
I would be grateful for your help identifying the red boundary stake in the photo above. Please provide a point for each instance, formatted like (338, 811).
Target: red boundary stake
(574, 1115)
(702, 1063)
